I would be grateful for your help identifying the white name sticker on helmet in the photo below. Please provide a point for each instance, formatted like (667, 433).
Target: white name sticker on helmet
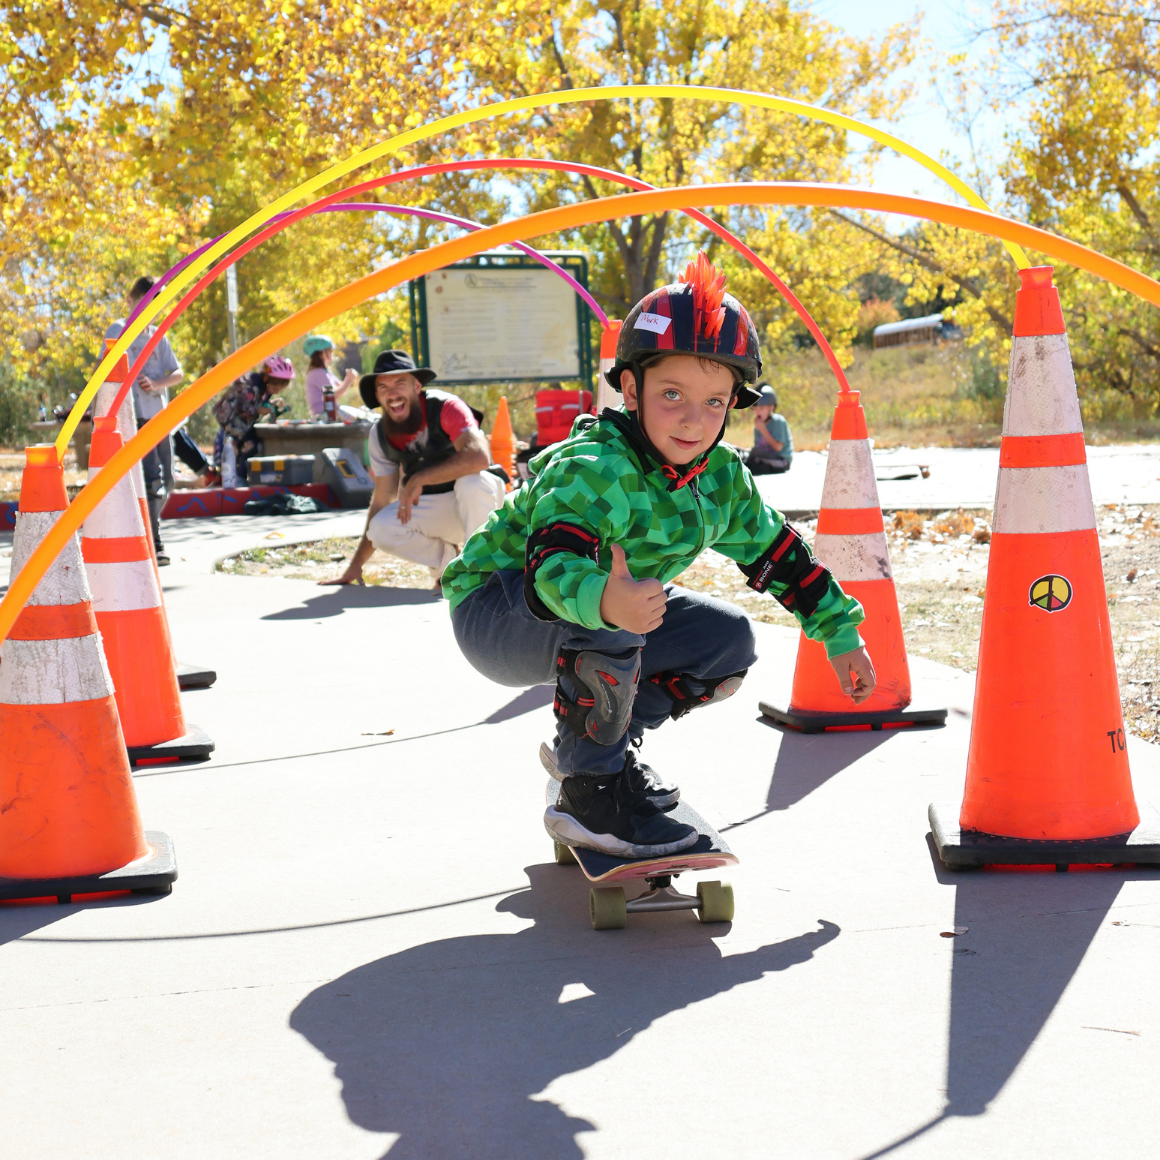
(657, 323)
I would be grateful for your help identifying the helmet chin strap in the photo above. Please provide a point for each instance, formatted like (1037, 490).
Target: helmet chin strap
(688, 470)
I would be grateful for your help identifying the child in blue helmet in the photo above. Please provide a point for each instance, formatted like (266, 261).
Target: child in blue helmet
(319, 348)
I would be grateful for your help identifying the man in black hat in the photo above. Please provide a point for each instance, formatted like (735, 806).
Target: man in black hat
(430, 463)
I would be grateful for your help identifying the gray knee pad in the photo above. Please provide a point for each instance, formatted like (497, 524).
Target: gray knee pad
(605, 691)
(693, 692)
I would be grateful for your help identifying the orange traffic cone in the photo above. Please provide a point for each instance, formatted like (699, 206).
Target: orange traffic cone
(127, 427)
(188, 676)
(851, 542)
(127, 602)
(68, 811)
(503, 444)
(605, 395)
(1047, 770)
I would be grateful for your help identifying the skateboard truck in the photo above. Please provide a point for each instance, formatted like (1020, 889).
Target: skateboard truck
(662, 896)
(609, 908)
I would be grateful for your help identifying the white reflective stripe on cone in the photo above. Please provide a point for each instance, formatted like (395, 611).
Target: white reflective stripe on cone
(605, 395)
(1041, 397)
(53, 672)
(124, 587)
(64, 582)
(126, 417)
(861, 557)
(849, 475)
(117, 515)
(1043, 499)
(126, 425)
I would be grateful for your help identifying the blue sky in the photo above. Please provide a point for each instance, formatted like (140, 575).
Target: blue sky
(944, 26)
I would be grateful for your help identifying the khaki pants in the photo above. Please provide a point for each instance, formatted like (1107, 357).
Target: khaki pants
(439, 524)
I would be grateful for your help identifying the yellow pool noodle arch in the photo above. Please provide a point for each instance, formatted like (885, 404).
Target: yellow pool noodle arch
(486, 112)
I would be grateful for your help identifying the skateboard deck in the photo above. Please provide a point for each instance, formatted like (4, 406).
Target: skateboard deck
(609, 907)
(710, 852)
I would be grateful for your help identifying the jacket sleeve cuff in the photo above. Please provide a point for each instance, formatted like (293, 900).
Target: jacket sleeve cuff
(588, 601)
(844, 640)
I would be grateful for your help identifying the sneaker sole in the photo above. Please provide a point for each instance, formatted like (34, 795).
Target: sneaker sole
(566, 830)
(664, 801)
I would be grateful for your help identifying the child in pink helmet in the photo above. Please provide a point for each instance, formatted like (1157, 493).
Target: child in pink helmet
(240, 408)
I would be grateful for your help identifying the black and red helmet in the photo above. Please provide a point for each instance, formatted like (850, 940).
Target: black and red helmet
(691, 316)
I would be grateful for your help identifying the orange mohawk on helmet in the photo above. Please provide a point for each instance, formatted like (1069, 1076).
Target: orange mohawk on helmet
(708, 286)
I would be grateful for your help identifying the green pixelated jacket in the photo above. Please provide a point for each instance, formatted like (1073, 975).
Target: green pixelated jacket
(595, 480)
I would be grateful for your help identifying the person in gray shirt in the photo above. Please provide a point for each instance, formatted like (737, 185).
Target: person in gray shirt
(151, 395)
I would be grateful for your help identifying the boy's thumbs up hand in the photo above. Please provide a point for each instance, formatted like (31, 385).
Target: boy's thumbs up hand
(634, 605)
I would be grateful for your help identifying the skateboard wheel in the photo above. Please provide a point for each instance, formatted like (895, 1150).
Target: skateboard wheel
(607, 906)
(564, 855)
(716, 900)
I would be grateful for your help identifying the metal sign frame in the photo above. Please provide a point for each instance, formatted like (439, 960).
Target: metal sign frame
(573, 261)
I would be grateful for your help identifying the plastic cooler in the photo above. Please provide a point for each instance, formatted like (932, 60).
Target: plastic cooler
(281, 470)
(556, 411)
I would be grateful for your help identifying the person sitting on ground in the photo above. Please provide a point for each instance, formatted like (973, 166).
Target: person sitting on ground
(320, 350)
(772, 440)
(430, 463)
(571, 580)
(150, 396)
(240, 408)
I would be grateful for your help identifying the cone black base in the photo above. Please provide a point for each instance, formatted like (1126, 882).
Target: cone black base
(196, 745)
(968, 850)
(194, 676)
(806, 722)
(154, 875)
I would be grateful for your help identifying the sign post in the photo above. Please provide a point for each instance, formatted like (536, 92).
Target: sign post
(232, 304)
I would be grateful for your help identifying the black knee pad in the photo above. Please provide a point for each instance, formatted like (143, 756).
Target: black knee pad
(690, 693)
(605, 691)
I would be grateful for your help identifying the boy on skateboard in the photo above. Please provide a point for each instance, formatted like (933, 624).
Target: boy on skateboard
(570, 580)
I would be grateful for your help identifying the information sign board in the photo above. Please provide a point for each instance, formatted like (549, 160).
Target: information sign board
(502, 317)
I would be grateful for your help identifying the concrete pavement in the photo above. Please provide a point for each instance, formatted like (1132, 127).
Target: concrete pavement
(369, 950)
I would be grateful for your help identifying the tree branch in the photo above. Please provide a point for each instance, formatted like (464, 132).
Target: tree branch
(968, 285)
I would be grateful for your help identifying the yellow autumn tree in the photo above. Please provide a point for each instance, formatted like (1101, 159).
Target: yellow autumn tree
(134, 132)
(1080, 84)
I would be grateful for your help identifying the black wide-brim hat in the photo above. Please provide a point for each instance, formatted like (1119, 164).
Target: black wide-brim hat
(391, 362)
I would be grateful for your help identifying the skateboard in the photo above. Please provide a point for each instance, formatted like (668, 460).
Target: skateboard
(608, 907)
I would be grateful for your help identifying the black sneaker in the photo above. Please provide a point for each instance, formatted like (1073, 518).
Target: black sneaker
(640, 776)
(605, 813)
(162, 558)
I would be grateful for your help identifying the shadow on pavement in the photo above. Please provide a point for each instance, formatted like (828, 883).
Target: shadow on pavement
(20, 919)
(335, 601)
(537, 697)
(1028, 931)
(806, 761)
(449, 1043)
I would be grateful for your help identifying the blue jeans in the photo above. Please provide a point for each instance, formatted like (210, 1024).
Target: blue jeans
(700, 637)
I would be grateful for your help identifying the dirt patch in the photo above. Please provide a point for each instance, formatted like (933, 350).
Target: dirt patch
(940, 569)
(324, 560)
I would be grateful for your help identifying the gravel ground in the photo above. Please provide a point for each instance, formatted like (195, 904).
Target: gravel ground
(940, 569)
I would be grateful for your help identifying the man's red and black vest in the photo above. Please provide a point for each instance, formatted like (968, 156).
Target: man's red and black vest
(437, 449)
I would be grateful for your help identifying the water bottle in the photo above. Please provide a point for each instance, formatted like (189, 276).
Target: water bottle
(329, 406)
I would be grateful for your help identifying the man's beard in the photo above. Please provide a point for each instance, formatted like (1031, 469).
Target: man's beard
(410, 425)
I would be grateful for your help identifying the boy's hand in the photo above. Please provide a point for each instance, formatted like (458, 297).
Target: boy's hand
(634, 605)
(855, 673)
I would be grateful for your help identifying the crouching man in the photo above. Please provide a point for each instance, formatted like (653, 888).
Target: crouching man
(430, 463)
